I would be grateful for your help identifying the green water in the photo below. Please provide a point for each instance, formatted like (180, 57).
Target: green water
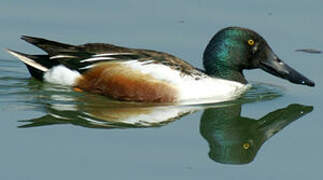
(51, 132)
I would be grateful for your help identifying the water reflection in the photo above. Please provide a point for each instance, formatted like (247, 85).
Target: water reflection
(99, 112)
(234, 139)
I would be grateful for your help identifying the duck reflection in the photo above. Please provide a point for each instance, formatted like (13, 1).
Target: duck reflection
(234, 139)
(96, 112)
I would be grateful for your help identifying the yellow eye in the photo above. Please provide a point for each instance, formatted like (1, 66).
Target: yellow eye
(246, 146)
(251, 42)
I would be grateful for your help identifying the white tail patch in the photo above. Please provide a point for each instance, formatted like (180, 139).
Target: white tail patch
(28, 61)
(61, 75)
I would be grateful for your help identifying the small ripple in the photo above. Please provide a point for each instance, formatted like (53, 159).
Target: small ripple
(262, 91)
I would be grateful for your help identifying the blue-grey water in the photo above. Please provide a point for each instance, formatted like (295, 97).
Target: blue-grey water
(50, 132)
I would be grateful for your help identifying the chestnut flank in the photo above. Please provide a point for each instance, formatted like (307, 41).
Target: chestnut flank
(120, 82)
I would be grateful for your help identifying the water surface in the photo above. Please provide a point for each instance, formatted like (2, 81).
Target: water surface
(50, 132)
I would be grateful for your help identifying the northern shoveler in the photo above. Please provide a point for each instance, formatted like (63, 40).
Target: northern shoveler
(152, 76)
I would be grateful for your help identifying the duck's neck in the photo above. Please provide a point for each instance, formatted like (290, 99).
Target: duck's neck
(226, 73)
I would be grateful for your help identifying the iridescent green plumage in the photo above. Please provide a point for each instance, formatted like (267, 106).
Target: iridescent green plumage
(227, 53)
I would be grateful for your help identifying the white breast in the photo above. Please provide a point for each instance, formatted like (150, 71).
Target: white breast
(209, 90)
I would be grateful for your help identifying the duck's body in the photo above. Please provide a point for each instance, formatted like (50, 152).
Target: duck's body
(144, 75)
(127, 76)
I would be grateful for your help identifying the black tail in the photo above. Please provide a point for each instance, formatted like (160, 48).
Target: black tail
(37, 64)
(51, 47)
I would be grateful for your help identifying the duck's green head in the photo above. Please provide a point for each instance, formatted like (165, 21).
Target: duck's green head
(234, 49)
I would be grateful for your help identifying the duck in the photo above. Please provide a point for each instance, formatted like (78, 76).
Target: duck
(142, 75)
